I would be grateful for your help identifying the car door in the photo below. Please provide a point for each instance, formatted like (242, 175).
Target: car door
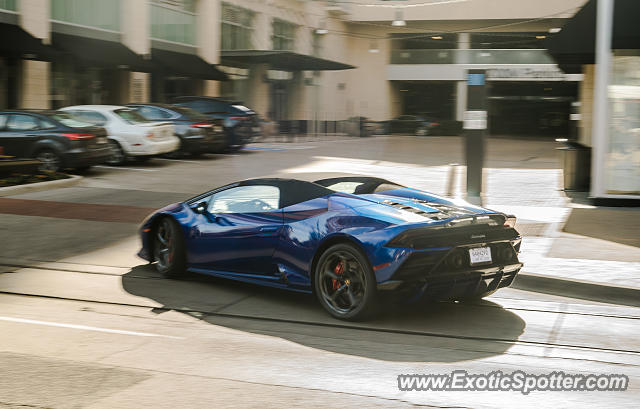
(239, 231)
(19, 134)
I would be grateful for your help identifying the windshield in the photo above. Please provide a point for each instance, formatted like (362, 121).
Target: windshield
(130, 116)
(68, 120)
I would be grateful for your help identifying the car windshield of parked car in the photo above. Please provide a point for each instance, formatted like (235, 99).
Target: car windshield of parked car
(246, 199)
(130, 116)
(68, 120)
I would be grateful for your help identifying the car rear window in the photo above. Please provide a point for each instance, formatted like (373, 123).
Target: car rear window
(190, 113)
(68, 120)
(130, 116)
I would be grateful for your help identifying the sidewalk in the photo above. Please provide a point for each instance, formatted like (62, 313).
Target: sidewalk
(570, 247)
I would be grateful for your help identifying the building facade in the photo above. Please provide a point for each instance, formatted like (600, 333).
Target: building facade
(296, 60)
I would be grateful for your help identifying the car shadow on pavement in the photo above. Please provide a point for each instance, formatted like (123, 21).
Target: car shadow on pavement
(425, 332)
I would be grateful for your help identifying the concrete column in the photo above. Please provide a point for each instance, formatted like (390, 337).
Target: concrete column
(136, 35)
(35, 75)
(208, 30)
(586, 106)
(211, 88)
(464, 43)
(258, 99)
(34, 87)
(135, 25)
(600, 134)
(139, 87)
(35, 18)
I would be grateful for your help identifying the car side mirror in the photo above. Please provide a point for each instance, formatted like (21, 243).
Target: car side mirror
(201, 208)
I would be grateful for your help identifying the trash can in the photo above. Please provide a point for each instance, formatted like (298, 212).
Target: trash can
(576, 163)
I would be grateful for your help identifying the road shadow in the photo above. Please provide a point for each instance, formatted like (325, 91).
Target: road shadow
(426, 332)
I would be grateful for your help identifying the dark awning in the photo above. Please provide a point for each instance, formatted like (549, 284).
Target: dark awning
(189, 65)
(19, 43)
(100, 53)
(281, 60)
(575, 44)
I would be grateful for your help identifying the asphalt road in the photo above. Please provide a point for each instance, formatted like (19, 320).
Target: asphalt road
(84, 323)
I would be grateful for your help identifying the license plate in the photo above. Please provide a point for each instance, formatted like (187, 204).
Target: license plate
(101, 140)
(256, 129)
(480, 255)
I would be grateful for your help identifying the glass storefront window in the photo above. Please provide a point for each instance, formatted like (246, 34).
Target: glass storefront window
(11, 5)
(237, 28)
(174, 21)
(104, 14)
(622, 164)
(283, 35)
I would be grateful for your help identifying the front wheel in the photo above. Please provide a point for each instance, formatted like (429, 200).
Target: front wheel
(345, 284)
(168, 248)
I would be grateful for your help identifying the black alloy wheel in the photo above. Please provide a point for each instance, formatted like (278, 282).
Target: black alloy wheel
(168, 248)
(345, 284)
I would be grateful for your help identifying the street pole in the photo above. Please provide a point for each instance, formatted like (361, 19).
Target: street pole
(475, 125)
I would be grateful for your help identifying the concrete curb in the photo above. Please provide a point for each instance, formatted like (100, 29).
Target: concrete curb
(40, 186)
(586, 290)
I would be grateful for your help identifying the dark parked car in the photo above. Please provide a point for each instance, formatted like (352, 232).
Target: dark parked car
(54, 138)
(198, 133)
(241, 124)
(414, 125)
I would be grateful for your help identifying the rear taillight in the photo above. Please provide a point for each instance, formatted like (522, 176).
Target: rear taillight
(78, 136)
(202, 125)
(240, 118)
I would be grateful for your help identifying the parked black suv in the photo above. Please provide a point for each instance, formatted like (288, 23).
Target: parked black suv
(55, 138)
(198, 133)
(241, 124)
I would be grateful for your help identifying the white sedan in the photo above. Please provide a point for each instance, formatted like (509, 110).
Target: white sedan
(130, 134)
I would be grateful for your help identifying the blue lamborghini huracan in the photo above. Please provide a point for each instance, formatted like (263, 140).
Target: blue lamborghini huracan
(347, 239)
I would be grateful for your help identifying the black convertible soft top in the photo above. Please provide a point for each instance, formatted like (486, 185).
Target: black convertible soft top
(367, 184)
(292, 191)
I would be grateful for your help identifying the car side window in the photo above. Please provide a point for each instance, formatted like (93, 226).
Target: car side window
(95, 118)
(152, 113)
(245, 199)
(19, 122)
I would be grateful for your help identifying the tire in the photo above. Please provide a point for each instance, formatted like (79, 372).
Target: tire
(344, 283)
(422, 131)
(118, 156)
(50, 161)
(168, 248)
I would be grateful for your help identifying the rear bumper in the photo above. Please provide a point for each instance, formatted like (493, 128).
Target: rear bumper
(151, 148)
(446, 273)
(82, 158)
(454, 286)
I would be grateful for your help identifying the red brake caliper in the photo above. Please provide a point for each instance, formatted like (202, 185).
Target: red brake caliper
(339, 269)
